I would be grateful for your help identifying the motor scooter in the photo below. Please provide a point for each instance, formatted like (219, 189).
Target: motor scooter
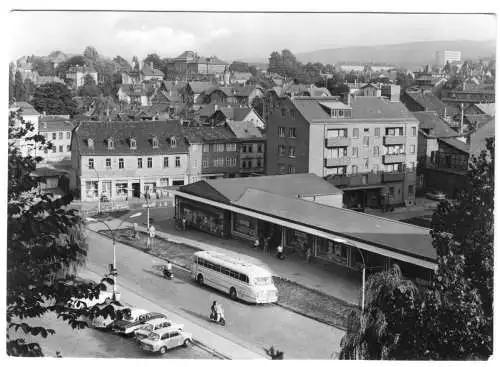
(168, 274)
(213, 318)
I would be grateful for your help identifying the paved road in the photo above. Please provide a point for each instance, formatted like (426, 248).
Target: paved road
(99, 344)
(254, 326)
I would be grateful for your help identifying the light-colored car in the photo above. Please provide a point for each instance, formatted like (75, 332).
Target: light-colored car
(153, 325)
(165, 339)
(435, 195)
(135, 321)
(79, 303)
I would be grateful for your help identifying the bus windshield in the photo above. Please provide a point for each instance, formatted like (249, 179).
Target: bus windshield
(262, 281)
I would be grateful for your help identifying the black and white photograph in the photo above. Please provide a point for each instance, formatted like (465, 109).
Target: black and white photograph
(262, 182)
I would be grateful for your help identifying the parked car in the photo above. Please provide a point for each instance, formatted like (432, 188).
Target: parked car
(153, 325)
(165, 339)
(101, 322)
(135, 321)
(435, 195)
(79, 303)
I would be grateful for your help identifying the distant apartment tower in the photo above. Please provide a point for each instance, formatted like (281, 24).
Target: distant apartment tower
(442, 57)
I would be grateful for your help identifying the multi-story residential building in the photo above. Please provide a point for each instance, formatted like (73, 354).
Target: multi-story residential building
(128, 159)
(367, 146)
(58, 131)
(246, 94)
(78, 73)
(444, 56)
(189, 63)
(220, 154)
(251, 144)
(139, 94)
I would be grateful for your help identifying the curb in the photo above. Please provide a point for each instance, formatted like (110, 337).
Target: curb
(282, 278)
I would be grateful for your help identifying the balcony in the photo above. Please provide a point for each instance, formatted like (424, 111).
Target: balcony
(393, 176)
(393, 158)
(340, 161)
(394, 140)
(338, 142)
(357, 179)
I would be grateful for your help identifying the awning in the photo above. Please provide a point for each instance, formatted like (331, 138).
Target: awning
(363, 187)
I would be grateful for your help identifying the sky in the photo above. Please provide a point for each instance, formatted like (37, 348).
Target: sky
(249, 36)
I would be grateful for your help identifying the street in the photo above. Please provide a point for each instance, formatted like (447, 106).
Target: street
(93, 343)
(252, 326)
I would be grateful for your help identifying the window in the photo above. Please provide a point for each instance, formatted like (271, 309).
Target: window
(366, 130)
(233, 161)
(230, 147)
(204, 163)
(376, 151)
(91, 163)
(291, 169)
(206, 148)
(336, 133)
(414, 131)
(173, 142)
(54, 136)
(377, 131)
(219, 147)
(410, 190)
(259, 163)
(250, 148)
(292, 133)
(412, 148)
(394, 131)
(165, 162)
(375, 167)
(54, 149)
(61, 135)
(243, 163)
(90, 142)
(68, 134)
(249, 163)
(228, 161)
(60, 148)
(292, 114)
(139, 162)
(366, 163)
(163, 181)
(354, 151)
(150, 162)
(111, 143)
(281, 132)
(155, 143)
(218, 162)
(243, 148)
(336, 152)
(177, 161)
(121, 163)
(391, 191)
(259, 148)
(355, 132)
(68, 148)
(133, 143)
(291, 152)
(281, 150)
(366, 141)
(283, 112)
(108, 162)
(354, 169)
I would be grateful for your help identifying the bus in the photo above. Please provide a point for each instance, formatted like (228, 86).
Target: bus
(238, 278)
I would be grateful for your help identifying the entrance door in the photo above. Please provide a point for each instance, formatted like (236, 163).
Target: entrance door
(136, 190)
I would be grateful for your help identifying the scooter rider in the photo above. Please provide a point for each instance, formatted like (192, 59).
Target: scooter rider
(167, 269)
(217, 311)
(214, 310)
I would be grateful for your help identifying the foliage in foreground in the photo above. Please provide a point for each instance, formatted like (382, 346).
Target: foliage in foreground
(44, 247)
(453, 319)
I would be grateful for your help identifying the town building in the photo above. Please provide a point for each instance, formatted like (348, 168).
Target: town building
(220, 154)
(146, 73)
(239, 77)
(251, 145)
(303, 213)
(446, 56)
(190, 64)
(245, 95)
(213, 114)
(367, 146)
(31, 116)
(478, 138)
(57, 131)
(77, 75)
(119, 160)
(138, 94)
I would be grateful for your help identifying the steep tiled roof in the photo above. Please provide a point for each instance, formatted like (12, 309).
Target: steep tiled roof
(427, 100)
(55, 124)
(457, 144)
(149, 71)
(208, 133)
(138, 89)
(487, 108)
(244, 91)
(121, 132)
(244, 130)
(28, 110)
(239, 113)
(200, 87)
(241, 75)
(436, 126)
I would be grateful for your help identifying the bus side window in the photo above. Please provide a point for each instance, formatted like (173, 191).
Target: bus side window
(216, 267)
(243, 278)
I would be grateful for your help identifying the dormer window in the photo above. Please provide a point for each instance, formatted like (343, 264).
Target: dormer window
(111, 143)
(173, 142)
(90, 142)
(155, 142)
(133, 143)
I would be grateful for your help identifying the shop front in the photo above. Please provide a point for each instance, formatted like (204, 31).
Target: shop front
(203, 217)
(243, 226)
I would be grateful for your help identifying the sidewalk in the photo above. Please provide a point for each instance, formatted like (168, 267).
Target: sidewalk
(215, 342)
(332, 280)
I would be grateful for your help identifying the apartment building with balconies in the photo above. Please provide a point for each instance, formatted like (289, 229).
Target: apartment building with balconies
(365, 145)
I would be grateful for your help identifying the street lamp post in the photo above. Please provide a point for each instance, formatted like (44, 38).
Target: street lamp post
(363, 272)
(113, 236)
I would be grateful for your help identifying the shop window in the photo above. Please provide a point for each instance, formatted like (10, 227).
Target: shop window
(244, 224)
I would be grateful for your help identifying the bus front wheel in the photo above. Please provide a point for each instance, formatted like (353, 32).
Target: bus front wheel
(232, 293)
(200, 279)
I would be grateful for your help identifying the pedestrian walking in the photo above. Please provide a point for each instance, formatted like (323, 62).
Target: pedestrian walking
(279, 252)
(256, 244)
(184, 223)
(308, 255)
(266, 245)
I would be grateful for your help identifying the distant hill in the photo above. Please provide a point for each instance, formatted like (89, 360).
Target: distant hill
(408, 55)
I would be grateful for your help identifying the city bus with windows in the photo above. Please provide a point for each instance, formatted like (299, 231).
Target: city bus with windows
(236, 277)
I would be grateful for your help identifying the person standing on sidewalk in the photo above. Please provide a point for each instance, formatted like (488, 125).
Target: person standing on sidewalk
(279, 253)
(184, 223)
(256, 244)
(266, 245)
